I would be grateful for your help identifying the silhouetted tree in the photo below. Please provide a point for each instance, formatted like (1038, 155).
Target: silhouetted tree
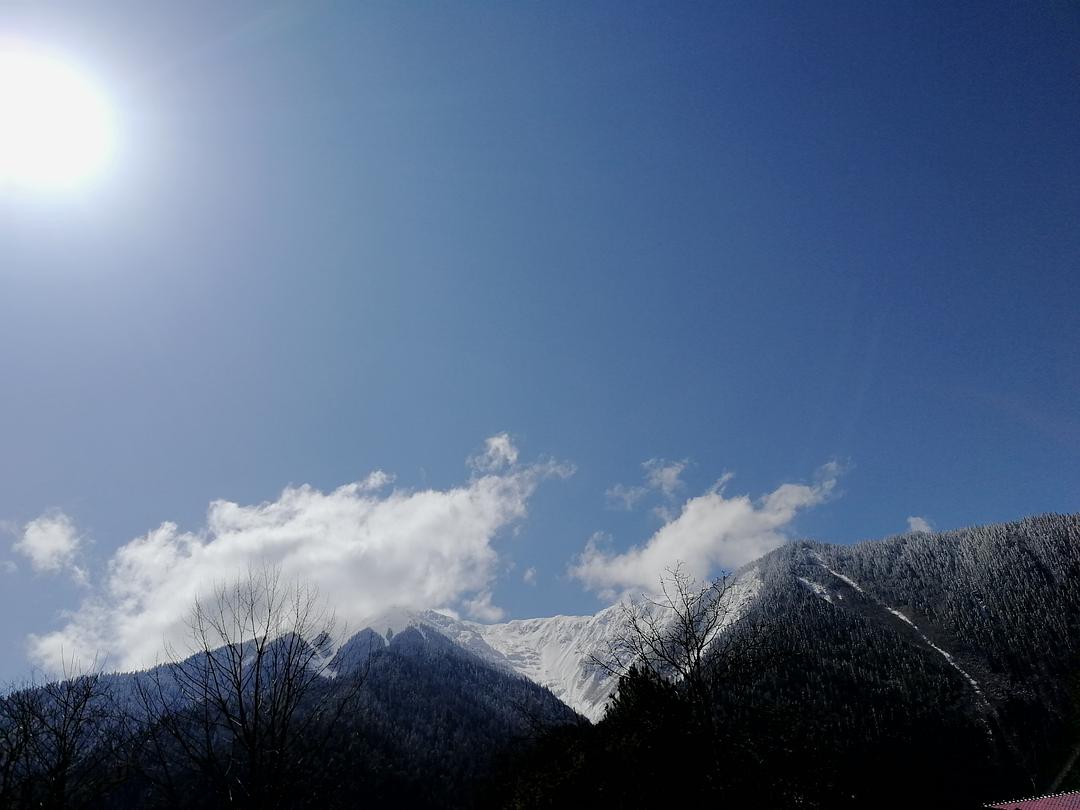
(59, 742)
(249, 705)
(691, 634)
(675, 654)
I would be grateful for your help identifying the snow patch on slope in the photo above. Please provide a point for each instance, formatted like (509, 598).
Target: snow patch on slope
(553, 652)
(817, 589)
(556, 652)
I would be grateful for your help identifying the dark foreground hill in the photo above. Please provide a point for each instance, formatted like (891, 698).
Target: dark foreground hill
(926, 670)
(433, 720)
(417, 722)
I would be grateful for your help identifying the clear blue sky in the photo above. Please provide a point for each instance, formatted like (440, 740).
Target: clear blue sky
(340, 237)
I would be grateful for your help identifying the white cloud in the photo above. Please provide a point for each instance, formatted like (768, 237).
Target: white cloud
(8, 567)
(363, 549)
(710, 532)
(624, 497)
(919, 524)
(481, 609)
(661, 476)
(499, 452)
(51, 543)
(664, 476)
(529, 577)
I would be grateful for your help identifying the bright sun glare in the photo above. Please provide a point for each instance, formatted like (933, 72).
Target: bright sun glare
(55, 126)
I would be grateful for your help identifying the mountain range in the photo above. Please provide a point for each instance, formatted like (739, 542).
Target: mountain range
(976, 629)
(943, 664)
(559, 653)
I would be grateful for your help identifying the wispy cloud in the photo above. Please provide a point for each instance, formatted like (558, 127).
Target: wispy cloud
(363, 547)
(665, 476)
(621, 496)
(51, 543)
(481, 608)
(661, 476)
(499, 452)
(710, 532)
(919, 524)
(529, 577)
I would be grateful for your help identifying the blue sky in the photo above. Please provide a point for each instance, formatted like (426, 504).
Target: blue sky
(339, 237)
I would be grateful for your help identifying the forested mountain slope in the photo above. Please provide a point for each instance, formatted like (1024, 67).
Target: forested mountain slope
(432, 720)
(920, 670)
(999, 605)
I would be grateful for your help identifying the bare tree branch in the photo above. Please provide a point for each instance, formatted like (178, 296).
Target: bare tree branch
(251, 702)
(687, 635)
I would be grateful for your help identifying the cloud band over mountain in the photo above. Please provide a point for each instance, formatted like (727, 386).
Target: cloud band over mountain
(362, 546)
(367, 546)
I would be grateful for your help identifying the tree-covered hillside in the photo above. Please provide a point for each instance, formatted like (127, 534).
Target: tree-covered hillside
(922, 670)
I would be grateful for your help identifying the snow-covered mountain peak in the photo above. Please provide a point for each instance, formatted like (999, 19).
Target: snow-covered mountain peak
(556, 652)
(395, 619)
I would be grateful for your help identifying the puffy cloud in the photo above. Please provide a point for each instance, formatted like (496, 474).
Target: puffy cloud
(710, 532)
(51, 543)
(529, 577)
(919, 524)
(364, 548)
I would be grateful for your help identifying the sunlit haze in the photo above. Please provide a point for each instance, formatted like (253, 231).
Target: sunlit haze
(55, 125)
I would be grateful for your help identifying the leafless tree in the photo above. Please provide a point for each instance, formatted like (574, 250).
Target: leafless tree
(678, 655)
(14, 748)
(249, 702)
(690, 635)
(59, 742)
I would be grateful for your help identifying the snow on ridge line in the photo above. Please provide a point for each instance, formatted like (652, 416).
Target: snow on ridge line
(554, 652)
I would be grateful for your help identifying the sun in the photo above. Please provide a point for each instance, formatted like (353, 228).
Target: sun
(55, 125)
